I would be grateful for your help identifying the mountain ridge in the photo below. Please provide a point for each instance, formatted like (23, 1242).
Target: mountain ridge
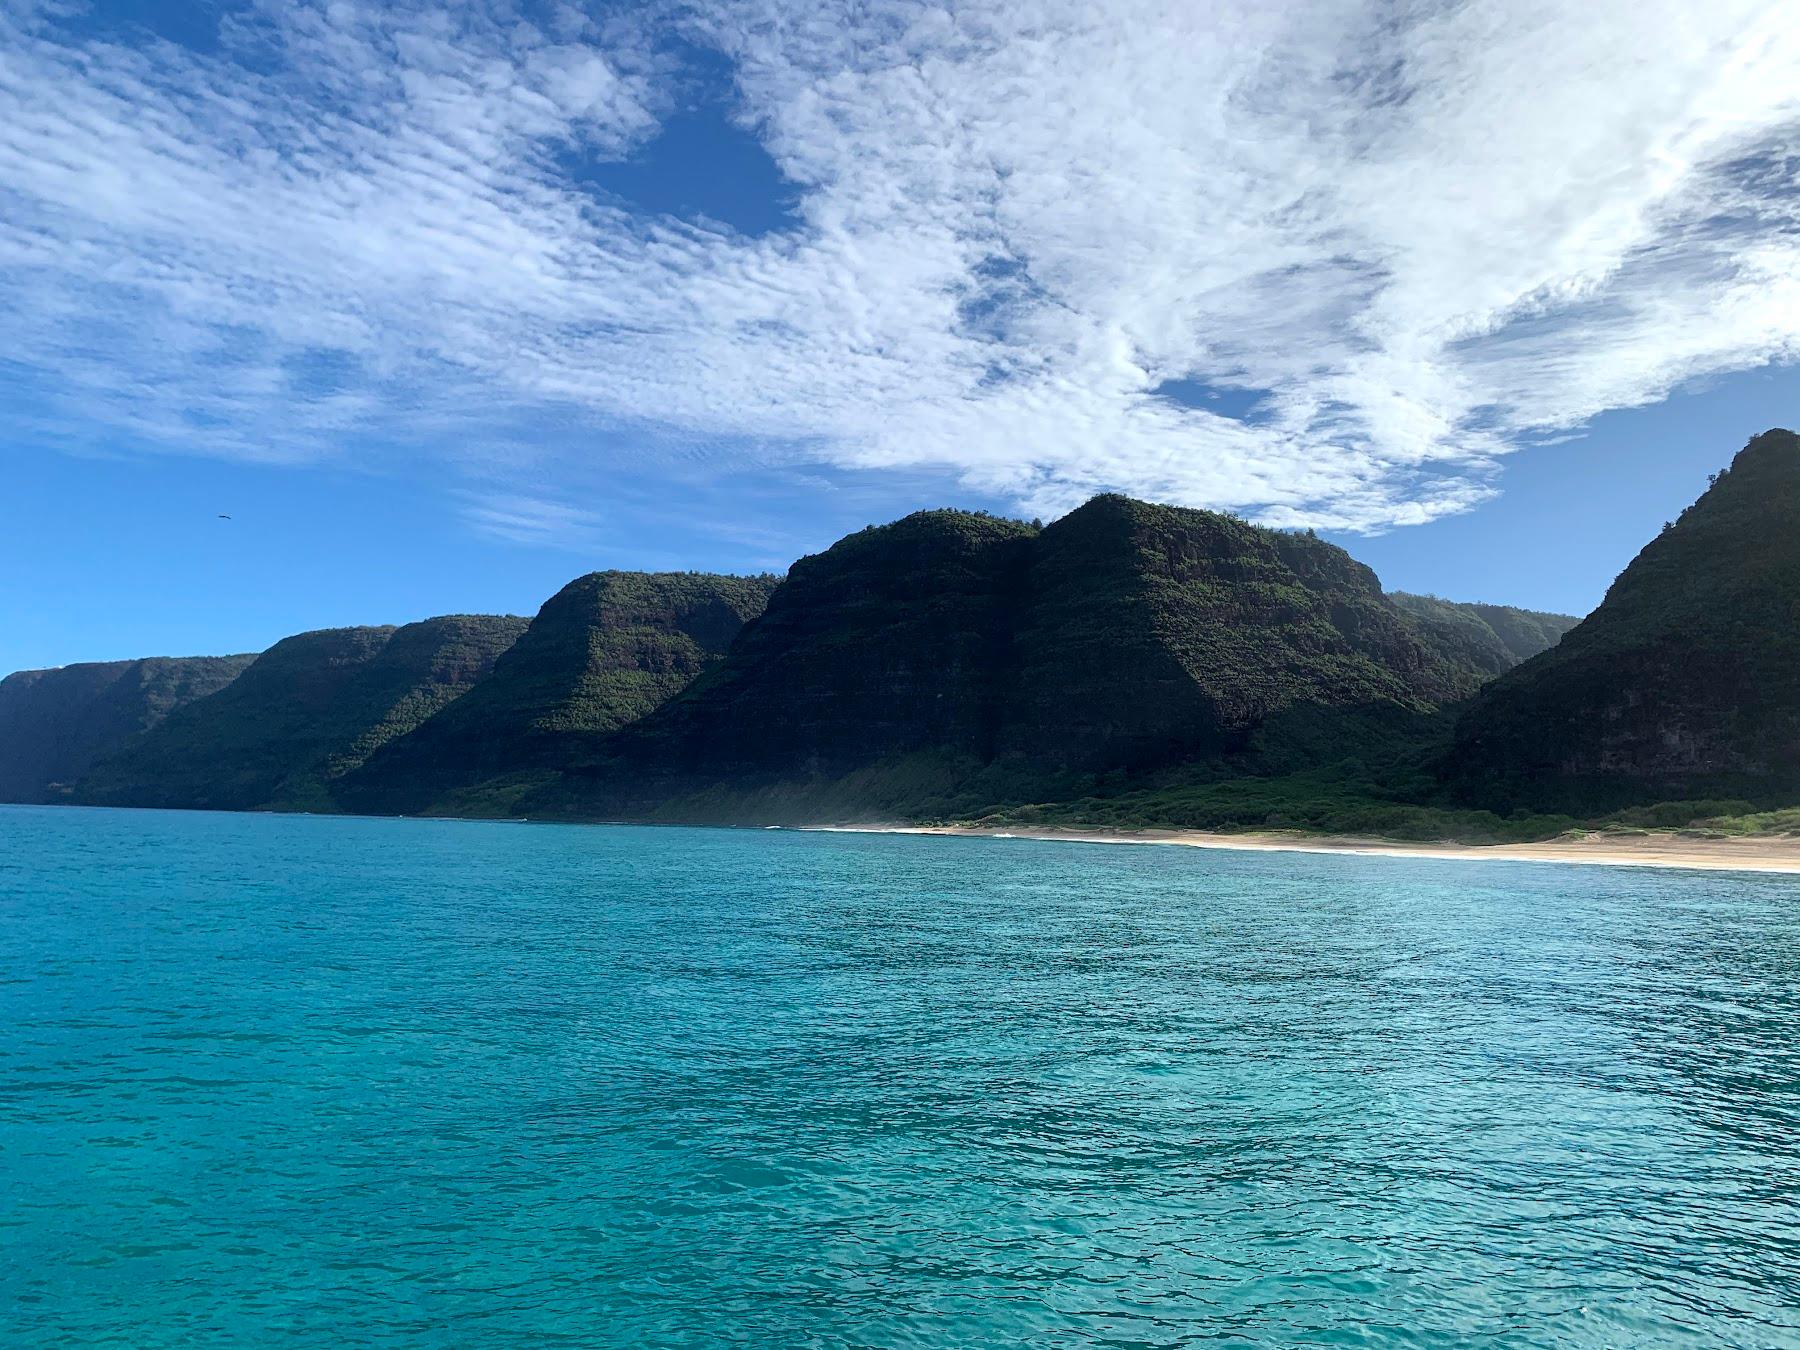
(987, 655)
(1491, 637)
(1685, 682)
(56, 723)
(605, 649)
(946, 662)
(300, 716)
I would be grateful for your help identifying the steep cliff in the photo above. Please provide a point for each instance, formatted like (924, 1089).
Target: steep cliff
(54, 724)
(1684, 683)
(1153, 632)
(891, 641)
(305, 713)
(606, 649)
(952, 650)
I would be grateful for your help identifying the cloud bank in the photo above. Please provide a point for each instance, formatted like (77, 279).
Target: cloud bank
(1397, 240)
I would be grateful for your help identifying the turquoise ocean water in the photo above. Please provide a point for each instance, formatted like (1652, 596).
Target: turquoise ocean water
(325, 1082)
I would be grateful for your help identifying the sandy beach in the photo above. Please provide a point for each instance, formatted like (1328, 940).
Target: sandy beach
(1777, 854)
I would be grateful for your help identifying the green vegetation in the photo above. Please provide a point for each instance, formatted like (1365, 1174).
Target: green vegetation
(1489, 638)
(304, 713)
(1319, 803)
(952, 662)
(54, 724)
(1326, 802)
(1785, 821)
(1152, 633)
(1684, 684)
(605, 650)
(1130, 666)
(885, 644)
(1355, 772)
(1347, 800)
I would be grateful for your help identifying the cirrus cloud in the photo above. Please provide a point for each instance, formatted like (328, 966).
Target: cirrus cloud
(1416, 235)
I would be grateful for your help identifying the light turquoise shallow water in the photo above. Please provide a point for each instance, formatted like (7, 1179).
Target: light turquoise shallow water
(321, 1082)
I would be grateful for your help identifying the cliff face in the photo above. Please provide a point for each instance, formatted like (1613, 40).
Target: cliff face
(305, 713)
(1684, 684)
(889, 642)
(602, 652)
(1489, 638)
(947, 662)
(1123, 636)
(1153, 632)
(54, 724)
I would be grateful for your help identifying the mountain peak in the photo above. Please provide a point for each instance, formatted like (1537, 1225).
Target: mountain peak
(1684, 683)
(1126, 635)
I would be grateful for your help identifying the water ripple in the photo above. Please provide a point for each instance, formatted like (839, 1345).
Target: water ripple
(384, 1083)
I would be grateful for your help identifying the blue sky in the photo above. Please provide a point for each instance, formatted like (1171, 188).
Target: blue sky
(445, 304)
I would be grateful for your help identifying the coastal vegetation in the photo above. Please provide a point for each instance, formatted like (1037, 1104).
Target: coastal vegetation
(301, 716)
(1128, 666)
(1684, 684)
(56, 724)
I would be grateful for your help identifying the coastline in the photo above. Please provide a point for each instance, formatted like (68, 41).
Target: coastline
(1774, 855)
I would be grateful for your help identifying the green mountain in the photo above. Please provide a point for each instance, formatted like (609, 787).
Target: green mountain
(953, 659)
(1129, 661)
(1489, 638)
(888, 642)
(54, 724)
(1684, 684)
(603, 651)
(305, 713)
(1153, 632)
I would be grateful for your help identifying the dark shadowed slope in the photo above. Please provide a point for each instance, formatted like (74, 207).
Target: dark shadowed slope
(891, 641)
(952, 647)
(54, 724)
(1489, 638)
(309, 710)
(1156, 632)
(606, 649)
(1685, 683)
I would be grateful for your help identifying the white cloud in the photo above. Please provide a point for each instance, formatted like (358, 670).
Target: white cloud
(1427, 231)
(520, 519)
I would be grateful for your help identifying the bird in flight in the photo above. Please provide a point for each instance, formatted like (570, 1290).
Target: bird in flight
(223, 516)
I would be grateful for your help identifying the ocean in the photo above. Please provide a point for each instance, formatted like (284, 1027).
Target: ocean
(298, 1081)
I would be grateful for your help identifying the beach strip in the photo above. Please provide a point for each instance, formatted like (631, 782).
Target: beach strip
(1772, 854)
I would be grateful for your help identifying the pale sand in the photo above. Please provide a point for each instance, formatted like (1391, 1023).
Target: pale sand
(1768, 854)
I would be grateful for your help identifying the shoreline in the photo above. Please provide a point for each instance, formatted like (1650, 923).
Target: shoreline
(1773, 855)
(1770, 855)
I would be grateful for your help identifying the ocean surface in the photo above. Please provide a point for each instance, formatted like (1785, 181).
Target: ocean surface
(323, 1082)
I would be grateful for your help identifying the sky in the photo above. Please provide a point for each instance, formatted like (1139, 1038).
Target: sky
(444, 304)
